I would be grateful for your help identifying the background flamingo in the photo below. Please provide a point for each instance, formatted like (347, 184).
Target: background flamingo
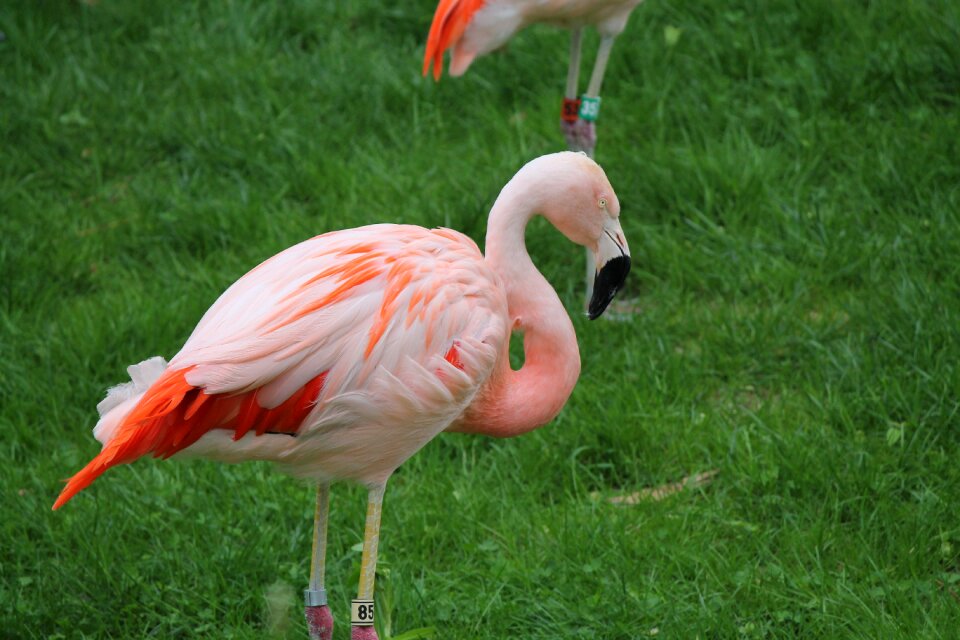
(471, 28)
(342, 356)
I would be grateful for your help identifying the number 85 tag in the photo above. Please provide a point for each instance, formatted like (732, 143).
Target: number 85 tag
(361, 612)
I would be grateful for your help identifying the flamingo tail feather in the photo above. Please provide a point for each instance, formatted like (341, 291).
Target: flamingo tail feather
(450, 20)
(172, 414)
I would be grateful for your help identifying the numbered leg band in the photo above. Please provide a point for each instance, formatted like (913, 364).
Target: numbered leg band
(315, 597)
(589, 108)
(570, 109)
(361, 613)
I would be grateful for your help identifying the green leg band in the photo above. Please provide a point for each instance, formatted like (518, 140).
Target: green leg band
(589, 108)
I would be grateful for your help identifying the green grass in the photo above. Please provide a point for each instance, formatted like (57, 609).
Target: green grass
(790, 173)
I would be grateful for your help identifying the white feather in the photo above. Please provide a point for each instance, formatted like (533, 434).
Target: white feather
(118, 403)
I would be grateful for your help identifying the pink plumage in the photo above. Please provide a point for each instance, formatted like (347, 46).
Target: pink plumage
(343, 338)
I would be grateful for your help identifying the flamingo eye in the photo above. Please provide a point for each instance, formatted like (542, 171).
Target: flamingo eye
(602, 202)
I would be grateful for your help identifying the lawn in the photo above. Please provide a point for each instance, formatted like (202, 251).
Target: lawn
(790, 178)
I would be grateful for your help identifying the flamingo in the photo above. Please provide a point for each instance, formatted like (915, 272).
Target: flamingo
(472, 28)
(340, 357)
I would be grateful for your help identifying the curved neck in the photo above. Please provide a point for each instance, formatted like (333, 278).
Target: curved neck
(515, 402)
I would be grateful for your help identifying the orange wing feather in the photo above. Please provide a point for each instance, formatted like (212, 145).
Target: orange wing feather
(449, 22)
(173, 414)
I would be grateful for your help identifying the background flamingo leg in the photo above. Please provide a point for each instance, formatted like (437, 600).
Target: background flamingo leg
(571, 105)
(319, 617)
(361, 610)
(586, 130)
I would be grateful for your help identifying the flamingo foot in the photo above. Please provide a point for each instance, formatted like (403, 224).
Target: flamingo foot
(581, 135)
(569, 130)
(363, 633)
(586, 132)
(319, 622)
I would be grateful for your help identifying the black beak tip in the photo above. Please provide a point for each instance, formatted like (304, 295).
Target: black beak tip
(607, 282)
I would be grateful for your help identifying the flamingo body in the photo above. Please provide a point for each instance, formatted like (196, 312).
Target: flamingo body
(361, 344)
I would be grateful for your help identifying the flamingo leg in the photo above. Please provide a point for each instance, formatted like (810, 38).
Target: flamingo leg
(319, 618)
(361, 610)
(571, 104)
(600, 65)
(590, 102)
(573, 73)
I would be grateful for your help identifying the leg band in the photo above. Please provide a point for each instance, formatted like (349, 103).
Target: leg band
(315, 597)
(589, 108)
(361, 613)
(570, 110)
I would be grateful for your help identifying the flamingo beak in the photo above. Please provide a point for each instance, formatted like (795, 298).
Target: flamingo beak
(613, 265)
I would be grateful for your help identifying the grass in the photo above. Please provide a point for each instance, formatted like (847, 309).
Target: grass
(790, 173)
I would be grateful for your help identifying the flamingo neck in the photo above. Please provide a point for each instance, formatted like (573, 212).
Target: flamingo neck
(517, 401)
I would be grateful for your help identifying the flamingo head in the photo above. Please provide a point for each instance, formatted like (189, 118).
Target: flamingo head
(579, 201)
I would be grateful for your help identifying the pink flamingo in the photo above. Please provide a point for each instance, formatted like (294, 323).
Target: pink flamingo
(342, 356)
(472, 28)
